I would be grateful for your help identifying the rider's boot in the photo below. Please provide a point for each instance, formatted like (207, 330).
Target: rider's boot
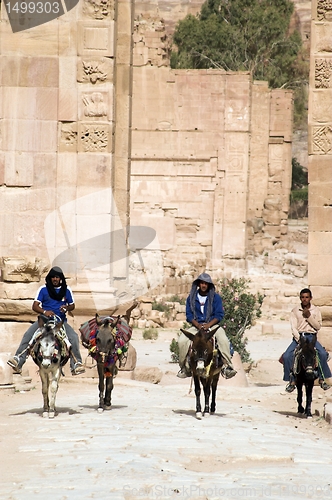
(15, 363)
(324, 385)
(290, 387)
(229, 372)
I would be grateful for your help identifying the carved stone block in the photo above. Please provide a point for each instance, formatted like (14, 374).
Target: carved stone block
(98, 70)
(324, 10)
(95, 106)
(94, 137)
(22, 269)
(320, 140)
(323, 73)
(98, 9)
(68, 137)
(96, 39)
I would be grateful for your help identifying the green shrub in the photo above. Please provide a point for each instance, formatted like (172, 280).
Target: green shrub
(241, 309)
(150, 334)
(162, 307)
(174, 348)
(299, 194)
(174, 345)
(176, 298)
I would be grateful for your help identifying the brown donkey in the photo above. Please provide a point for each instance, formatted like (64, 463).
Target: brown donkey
(206, 367)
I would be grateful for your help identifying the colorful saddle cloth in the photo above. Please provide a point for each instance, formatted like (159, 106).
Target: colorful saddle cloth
(123, 333)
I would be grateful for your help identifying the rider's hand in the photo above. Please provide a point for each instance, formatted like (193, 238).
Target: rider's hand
(306, 313)
(49, 314)
(63, 309)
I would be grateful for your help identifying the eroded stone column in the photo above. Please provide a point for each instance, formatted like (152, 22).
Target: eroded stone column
(122, 125)
(320, 164)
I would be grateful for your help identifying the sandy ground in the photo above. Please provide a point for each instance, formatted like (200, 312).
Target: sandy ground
(151, 446)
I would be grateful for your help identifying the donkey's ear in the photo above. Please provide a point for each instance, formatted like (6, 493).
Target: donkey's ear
(58, 326)
(41, 320)
(116, 321)
(210, 334)
(98, 321)
(189, 335)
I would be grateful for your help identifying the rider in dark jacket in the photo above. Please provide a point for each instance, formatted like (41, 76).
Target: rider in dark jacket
(204, 308)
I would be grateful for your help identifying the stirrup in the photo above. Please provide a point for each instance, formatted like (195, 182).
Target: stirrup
(78, 369)
(290, 387)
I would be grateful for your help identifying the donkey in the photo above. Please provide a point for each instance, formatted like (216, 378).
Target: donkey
(49, 354)
(104, 356)
(305, 371)
(205, 367)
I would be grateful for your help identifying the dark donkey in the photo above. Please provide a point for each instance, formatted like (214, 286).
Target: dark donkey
(107, 339)
(104, 356)
(205, 368)
(305, 371)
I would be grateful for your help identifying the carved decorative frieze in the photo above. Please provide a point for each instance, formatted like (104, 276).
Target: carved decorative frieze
(95, 71)
(324, 10)
(21, 269)
(322, 140)
(68, 137)
(99, 9)
(94, 138)
(95, 105)
(323, 73)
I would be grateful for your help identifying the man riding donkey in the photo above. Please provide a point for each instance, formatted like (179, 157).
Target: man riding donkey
(305, 319)
(54, 299)
(204, 309)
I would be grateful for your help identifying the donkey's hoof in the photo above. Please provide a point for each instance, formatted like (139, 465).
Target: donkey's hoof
(206, 414)
(308, 414)
(51, 414)
(300, 409)
(45, 414)
(199, 415)
(108, 407)
(100, 410)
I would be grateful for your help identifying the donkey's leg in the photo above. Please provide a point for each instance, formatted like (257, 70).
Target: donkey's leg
(207, 391)
(108, 392)
(44, 381)
(198, 397)
(308, 392)
(214, 393)
(54, 384)
(300, 408)
(101, 386)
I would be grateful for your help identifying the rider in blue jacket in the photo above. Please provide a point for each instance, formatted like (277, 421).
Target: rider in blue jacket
(55, 298)
(204, 308)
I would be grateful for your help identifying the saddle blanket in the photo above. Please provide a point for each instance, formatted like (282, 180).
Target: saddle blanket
(123, 330)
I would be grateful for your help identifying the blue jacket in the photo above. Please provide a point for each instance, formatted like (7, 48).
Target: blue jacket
(217, 310)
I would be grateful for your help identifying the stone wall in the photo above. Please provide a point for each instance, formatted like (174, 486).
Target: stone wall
(200, 139)
(85, 119)
(65, 152)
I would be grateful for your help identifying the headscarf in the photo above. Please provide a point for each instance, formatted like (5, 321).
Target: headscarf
(53, 293)
(210, 295)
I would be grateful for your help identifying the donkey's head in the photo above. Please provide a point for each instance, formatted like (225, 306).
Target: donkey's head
(201, 350)
(48, 347)
(105, 338)
(308, 356)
